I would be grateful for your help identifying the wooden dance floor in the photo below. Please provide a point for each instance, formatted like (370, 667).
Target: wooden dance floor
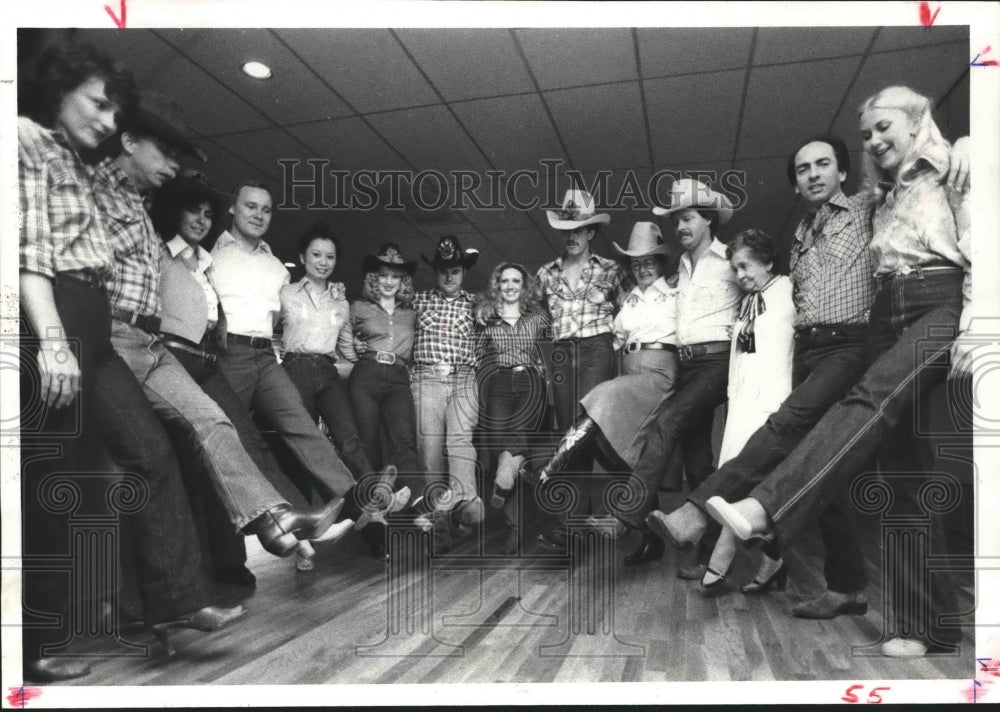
(501, 619)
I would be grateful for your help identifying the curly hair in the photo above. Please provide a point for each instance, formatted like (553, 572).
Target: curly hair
(531, 296)
(758, 243)
(167, 207)
(404, 297)
(928, 150)
(63, 68)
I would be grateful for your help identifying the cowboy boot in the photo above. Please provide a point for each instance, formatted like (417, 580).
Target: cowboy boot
(575, 438)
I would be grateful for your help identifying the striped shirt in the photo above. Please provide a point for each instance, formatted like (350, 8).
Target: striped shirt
(831, 265)
(507, 345)
(59, 230)
(138, 251)
(445, 329)
(588, 310)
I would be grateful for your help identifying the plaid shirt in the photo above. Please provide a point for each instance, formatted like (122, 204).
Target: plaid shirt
(506, 346)
(138, 250)
(60, 230)
(587, 311)
(831, 266)
(445, 329)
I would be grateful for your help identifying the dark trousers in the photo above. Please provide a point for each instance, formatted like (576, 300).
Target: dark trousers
(823, 370)
(381, 400)
(325, 394)
(513, 406)
(912, 325)
(63, 443)
(577, 366)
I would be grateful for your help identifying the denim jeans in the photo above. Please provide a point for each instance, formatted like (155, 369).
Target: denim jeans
(112, 410)
(912, 325)
(577, 366)
(447, 412)
(822, 374)
(181, 403)
(263, 385)
(382, 400)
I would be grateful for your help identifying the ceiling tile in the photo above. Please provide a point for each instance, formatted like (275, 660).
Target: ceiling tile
(577, 57)
(602, 126)
(468, 63)
(366, 67)
(350, 144)
(693, 118)
(265, 147)
(429, 138)
(795, 44)
(890, 38)
(811, 95)
(513, 131)
(683, 50)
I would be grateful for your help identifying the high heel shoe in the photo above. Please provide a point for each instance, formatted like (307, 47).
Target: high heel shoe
(279, 529)
(720, 576)
(778, 579)
(207, 620)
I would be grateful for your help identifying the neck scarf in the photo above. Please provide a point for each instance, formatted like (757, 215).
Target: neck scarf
(752, 307)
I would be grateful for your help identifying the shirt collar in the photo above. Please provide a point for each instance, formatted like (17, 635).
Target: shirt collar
(660, 285)
(462, 294)
(304, 284)
(109, 173)
(177, 245)
(226, 239)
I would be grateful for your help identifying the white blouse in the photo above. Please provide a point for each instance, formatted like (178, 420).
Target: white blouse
(648, 316)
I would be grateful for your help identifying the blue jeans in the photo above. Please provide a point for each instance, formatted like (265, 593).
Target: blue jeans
(242, 488)
(447, 412)
(381, 399)
(912, 325)
(112, 410)
(822, 373)
(324, 394)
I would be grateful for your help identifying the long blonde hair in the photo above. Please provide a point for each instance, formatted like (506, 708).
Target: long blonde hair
(929, 149)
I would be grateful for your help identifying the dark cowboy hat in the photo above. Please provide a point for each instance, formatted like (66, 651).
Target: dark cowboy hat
(160, 116)
(389, 255)
(195, 183)
(450, 254)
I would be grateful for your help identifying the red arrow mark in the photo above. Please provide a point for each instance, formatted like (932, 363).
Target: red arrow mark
(121, 22)
(976, 62)
(926, 18)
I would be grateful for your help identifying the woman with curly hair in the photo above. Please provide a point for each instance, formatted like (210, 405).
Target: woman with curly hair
(512, 379)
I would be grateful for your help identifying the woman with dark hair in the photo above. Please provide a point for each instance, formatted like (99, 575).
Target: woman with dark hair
(921, 244)
(74, 382)
(512, 379)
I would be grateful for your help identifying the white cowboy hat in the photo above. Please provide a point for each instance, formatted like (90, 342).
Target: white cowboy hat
(645, 240)
(577, 211)
(688, 193)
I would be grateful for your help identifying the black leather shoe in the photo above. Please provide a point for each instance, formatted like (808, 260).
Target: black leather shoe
(280, 528)
(207, 619)
(650, 549)
(235, 575)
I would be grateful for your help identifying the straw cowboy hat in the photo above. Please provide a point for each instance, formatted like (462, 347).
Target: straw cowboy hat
(577, 211)
(389, 255)
(450, 254)
(688, 193)
(645, 240)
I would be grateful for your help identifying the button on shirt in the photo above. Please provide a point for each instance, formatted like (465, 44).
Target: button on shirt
(832, 265)
(379, 329)
(59, 230)
(248, 283)
(648, 316)
(137, 248)
(587, 310)
(188, 303)
(445, 329)
(313, 319)
(708, 298)
(509, 345)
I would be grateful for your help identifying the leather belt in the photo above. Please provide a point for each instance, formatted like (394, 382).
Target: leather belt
(653, 345)
(386, 358)
(257, 342)
(85, 276)
(440, 369)
(686, 353)
(919, 270)
(830, 332)
(292, 355)
(171, 342)
(149, 324)
(515, 369)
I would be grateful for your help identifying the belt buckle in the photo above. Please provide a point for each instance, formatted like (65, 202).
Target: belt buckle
(385, 357)
(632, 347)
(684, 353)
(442, 369)
(519, 369)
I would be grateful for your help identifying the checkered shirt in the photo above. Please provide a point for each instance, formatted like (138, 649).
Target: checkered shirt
(60, 230)
(587, 311)
(507, 346)
(832, 267)
(445, 329)
(137, 248)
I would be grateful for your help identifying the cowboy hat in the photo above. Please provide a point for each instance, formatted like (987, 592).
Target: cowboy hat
(644, 241)
(450, 254)
(577, 211)
(688, 193)
(160, 116)
(389, 255)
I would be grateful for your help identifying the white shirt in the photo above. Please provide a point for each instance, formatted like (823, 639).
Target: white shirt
(248, 284)
(709, 297)
(648, 316)
(178, 248)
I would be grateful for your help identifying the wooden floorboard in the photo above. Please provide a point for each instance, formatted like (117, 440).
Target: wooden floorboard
(503, 623)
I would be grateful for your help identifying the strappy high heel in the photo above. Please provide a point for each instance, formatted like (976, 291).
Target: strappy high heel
(778, 580)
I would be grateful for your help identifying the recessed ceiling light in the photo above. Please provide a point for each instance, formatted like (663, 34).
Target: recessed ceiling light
(257, 70)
